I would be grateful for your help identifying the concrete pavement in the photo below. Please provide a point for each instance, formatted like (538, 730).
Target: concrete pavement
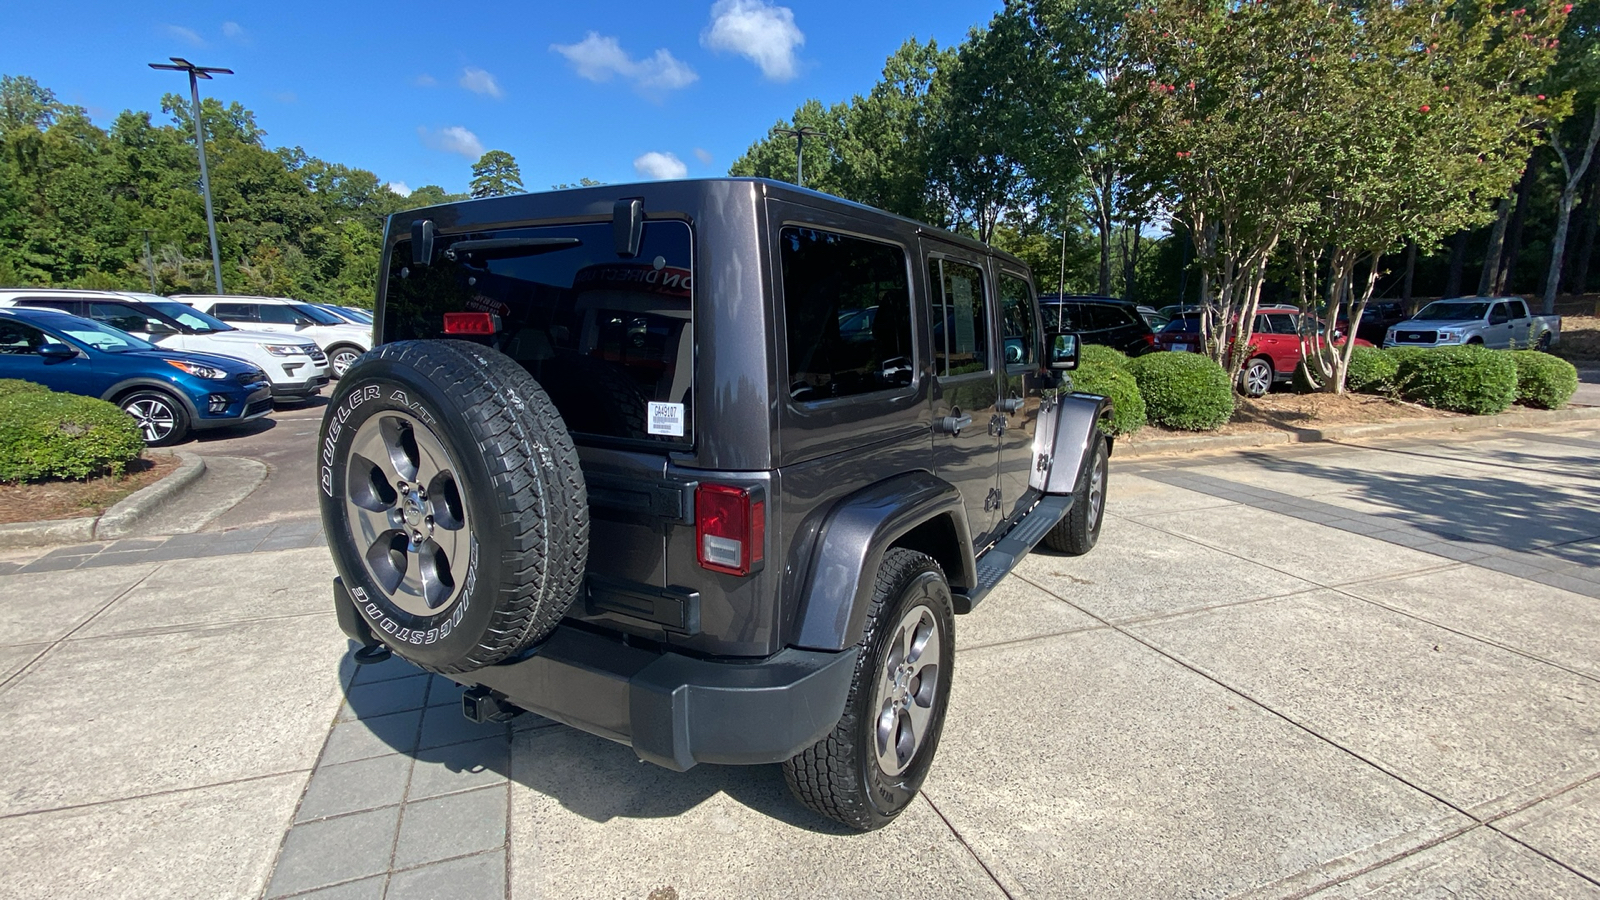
(1333, 670)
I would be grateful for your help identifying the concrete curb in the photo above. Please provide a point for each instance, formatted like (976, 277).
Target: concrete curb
(121, 519)
(1180, 446)
(115, 522)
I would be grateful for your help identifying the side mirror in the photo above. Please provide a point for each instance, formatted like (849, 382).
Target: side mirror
(1063, 355)
(57, 351)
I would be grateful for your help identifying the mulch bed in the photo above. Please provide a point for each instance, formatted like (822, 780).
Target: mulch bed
(70, 499)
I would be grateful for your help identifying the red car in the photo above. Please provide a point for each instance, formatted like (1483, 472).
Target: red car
(1276, 341)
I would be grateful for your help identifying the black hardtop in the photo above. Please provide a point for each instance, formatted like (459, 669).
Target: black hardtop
(691, 199)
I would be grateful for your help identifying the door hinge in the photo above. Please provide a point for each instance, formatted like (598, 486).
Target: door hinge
(992, 501)
(997, 425)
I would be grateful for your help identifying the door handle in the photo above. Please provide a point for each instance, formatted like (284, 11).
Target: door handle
(1011, 404)
(952, 424)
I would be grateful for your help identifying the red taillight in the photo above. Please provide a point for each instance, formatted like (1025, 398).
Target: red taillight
(1150, 339)
(471, 323)
(730, 528)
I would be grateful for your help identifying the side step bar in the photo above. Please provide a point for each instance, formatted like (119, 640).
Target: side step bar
(998, 561)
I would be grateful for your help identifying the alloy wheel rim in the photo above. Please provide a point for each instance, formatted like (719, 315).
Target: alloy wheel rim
(1097, 491)
(154, 418)
(406, 514)
(342, 361)
(907, 688)
(1256, 379)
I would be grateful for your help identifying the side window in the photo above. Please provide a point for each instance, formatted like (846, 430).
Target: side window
(234, 312)
(18, 339)
(279, 315)
(67, 306)
(1282, 323)
(847, 315)
(1016, 313)
(1517, 308)
(960, 318)
(118, 316)
(1498, 314)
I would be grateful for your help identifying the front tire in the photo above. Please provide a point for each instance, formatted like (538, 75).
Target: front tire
(1077, 534)
(869, 769)
(161, 418)
(340, 359)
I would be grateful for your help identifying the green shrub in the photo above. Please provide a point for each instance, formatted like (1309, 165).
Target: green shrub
(9, 386)
(1544, 381)
(1187, 391)
(50, 435)
(1111, 381)
(1470, 379)
(1372, 371)
(1099, 355)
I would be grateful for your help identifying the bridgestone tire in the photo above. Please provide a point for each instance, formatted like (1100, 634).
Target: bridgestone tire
(841, 776)
(488, 539)
(1077, 534)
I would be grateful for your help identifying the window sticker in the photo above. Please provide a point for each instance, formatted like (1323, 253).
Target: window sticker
(666, 419)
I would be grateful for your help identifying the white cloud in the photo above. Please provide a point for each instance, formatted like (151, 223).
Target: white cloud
(453, 139)
(480, 82)
(399, 187)
(660, 166)
(233, 31)
(759, 31)
(600, 58)
(703, 155)
(425, 80)
(188, 35)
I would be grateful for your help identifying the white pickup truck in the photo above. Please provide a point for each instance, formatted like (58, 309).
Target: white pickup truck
(1495, 322)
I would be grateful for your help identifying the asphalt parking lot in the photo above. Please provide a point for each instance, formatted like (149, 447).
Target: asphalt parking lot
(1333, 670)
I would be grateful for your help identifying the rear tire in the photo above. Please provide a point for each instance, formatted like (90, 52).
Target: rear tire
(453, 502)
(870, 768)
(1257, 377)
(1077, 534)
(162, 419)
(1543, 346)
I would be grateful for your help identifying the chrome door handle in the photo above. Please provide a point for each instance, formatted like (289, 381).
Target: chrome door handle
(952, 424)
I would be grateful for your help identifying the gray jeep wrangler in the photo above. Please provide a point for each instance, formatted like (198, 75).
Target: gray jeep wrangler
(704, 467)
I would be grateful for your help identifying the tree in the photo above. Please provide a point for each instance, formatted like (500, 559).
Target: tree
(495, 174)
(1577, 73)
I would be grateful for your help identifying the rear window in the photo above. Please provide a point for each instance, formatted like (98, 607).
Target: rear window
(610, 339)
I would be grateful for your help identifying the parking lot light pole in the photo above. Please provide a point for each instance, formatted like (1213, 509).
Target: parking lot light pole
(800, 134)
(195, 74)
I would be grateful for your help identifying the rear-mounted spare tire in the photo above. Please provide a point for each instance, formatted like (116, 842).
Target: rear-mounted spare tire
(453, 502)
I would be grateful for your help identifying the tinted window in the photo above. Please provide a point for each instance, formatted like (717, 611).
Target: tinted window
(1517, 309)
(235, 312)
(1063, 317)
(189, 317)
(18, 339)
(1183, 324)
(317, 314)
(604, 336)
(70, 306)
(1016, 313)
(847, 314)
(277, 314)
(124, 318)
(1281, 323)
(960, 318)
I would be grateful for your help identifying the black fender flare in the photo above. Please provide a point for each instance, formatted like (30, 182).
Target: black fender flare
(1063, 440)
(850, 547)
(128, 384)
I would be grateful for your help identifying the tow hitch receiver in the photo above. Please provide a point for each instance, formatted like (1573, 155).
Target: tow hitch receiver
(481, 705)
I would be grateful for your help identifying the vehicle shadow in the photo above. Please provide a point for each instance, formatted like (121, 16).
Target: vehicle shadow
(229, 432)
(595, 778)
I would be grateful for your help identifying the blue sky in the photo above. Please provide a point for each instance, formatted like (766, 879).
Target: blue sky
(618, 91)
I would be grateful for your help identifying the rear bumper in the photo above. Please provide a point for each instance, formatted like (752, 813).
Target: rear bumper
(674, 710)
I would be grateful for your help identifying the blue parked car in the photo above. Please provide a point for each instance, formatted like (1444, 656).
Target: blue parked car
(168, 392)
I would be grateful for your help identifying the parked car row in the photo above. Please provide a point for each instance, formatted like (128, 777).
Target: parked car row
(177, 364)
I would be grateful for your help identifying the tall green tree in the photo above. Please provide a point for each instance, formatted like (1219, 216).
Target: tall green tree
(496, 174)
(1576, 76)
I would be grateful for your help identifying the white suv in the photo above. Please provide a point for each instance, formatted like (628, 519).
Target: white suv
(296, 367)
(341, 340)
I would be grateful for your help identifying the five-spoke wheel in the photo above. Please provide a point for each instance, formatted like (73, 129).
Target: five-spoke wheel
(406, 512)
(161, 419)
(908, 683)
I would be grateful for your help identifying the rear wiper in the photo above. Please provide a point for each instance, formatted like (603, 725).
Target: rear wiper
(489, 247)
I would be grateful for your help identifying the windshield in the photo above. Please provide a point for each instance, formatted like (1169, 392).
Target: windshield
(317, 314)
(101, 337)
(359, 316)
(1452, 311)
(189, 317)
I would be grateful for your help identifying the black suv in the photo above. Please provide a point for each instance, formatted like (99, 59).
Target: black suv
(704, 467)
(1099, 320)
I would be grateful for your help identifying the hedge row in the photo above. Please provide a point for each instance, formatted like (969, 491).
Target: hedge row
(44, 434)
(1467, 379)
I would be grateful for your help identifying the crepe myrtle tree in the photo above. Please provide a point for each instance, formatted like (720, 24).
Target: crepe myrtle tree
(1430, 115)
(1576, 77)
